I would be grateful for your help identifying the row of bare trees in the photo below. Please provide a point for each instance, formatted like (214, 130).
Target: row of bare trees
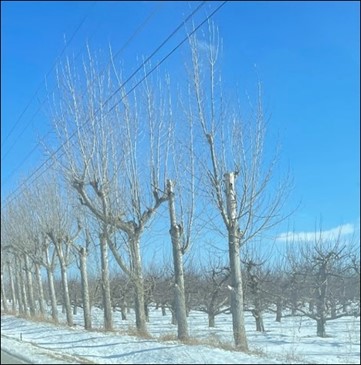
(320, 281)
(125, 154)
(129, 157)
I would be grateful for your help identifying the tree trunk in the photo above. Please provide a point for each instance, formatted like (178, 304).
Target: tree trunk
(311, 305)
(107, 305)
(12, 288)
(140, 317)
(321, 332)
(259, 320)
(174, 317)
(259, 323)
(85, 289)
(23, 288)
(3, 294)
(18, 292)
(146, 311)
(123, 310)
(258, 311)
(66, 296)
(50, 275)
(64, 283)
(164, 313)
(279, 306)
(211, 319)
(294, 301)
(333, 309)
(179, 292)
(40, 289)
(321, 300)
(239, 332)
(30, 287)
(54, 308)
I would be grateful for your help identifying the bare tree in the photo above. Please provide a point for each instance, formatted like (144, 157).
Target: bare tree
(256, 279)
(322, 262)
(104, 138)
(213, 295)
(237, 170)
(279, 282)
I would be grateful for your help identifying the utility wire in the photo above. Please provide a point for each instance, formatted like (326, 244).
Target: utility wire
(129, 78)
(4, 155)
(47, 75)
(155, 10)
(9, 200)
(154, 52)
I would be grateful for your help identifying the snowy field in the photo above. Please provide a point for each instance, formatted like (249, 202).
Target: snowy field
(291, 341)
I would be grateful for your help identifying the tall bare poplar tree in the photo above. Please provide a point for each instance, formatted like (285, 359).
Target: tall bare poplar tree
(234, 164)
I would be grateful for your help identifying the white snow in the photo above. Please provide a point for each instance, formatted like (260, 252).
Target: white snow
(293, 340)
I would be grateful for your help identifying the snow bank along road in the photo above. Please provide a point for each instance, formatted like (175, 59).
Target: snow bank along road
(6, 358)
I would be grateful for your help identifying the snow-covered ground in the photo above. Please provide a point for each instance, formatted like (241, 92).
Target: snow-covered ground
(291, 341)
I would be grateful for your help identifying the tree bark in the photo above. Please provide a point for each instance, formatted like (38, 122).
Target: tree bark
(258, 312)
(164, 313)
(279, 306)
(23, 287)
(3, 294)
(12, 288)
(321, 300)
(211, 319)
(18, 291)
(123, 310)
(179, 291)
(29, 284)
(85, 289)
(66, 295)
(259, 320)
(140, 317)
(107, 305)
(239, 332)
(54, 308)
(321, 332)
(40, 289)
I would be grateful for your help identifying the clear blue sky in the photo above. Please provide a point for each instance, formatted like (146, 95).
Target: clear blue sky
(307, 55)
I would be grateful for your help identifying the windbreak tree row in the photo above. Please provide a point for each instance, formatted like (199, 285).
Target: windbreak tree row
(173, 154)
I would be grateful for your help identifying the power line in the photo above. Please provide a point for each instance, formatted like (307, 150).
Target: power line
(48, 73)
(129, 78)
(168, 55)
(154, 52)
(155, 10)
(73, 134)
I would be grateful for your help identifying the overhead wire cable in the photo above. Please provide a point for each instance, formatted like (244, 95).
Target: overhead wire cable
(9, 200)
(154, 52)
(129, 78)
(48, 74)
(155, 10)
